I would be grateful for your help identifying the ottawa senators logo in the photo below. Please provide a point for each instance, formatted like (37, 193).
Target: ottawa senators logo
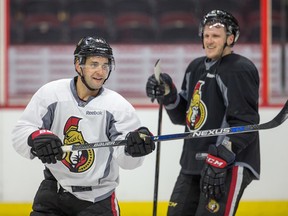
(197, 113)
(76, 161)
(213, 206)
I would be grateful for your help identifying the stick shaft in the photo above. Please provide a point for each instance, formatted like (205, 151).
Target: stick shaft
(278, 120)
(157, 71)
(157, 163)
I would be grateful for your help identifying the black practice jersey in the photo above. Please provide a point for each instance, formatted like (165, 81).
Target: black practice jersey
(215, 95)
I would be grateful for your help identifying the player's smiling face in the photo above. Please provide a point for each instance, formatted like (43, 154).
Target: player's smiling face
(95, 71)
(214, 39)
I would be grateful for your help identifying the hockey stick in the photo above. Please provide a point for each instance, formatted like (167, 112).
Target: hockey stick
(275, 122)
(157, 162)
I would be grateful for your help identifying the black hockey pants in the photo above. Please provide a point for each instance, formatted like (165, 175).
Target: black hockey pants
(51, 201)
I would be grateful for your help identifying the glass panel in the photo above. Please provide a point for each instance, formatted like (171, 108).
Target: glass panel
(278, 71)
(148, 30)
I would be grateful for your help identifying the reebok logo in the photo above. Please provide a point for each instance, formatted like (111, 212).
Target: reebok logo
(94, 112)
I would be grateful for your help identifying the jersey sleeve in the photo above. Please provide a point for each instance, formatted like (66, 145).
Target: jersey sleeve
(30, 121)
(124, 121)
(240, 89)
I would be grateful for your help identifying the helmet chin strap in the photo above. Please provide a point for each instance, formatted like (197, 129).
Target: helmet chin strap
(224, 46)
(84, 81)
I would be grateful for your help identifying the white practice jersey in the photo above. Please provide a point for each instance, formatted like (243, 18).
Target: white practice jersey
(107, 117)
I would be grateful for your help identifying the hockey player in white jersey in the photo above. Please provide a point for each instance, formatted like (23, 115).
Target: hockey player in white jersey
(78, 111)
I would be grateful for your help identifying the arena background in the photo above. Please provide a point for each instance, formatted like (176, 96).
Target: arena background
(36, 46)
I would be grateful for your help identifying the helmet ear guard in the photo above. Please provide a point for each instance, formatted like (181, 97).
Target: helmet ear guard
(221, 17)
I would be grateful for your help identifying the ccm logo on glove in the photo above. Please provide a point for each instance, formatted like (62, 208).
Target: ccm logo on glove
(216, 161)
(39, 132)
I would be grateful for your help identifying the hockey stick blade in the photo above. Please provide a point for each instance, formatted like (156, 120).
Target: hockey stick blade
(157, 70)
(275, 122)
(278, 120)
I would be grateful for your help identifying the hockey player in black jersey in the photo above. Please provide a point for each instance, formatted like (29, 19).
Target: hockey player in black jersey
(74, 111)
(219, 89)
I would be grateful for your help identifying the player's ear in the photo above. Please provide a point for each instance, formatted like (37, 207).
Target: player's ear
(230, 39)
(77, 66)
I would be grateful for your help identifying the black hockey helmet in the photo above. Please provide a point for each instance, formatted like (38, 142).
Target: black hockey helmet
(222, 17)
(93, 46)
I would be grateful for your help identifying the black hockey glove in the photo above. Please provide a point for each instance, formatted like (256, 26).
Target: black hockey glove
(164, 92)
(139, 145)
(46, 146)
(213, 175)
